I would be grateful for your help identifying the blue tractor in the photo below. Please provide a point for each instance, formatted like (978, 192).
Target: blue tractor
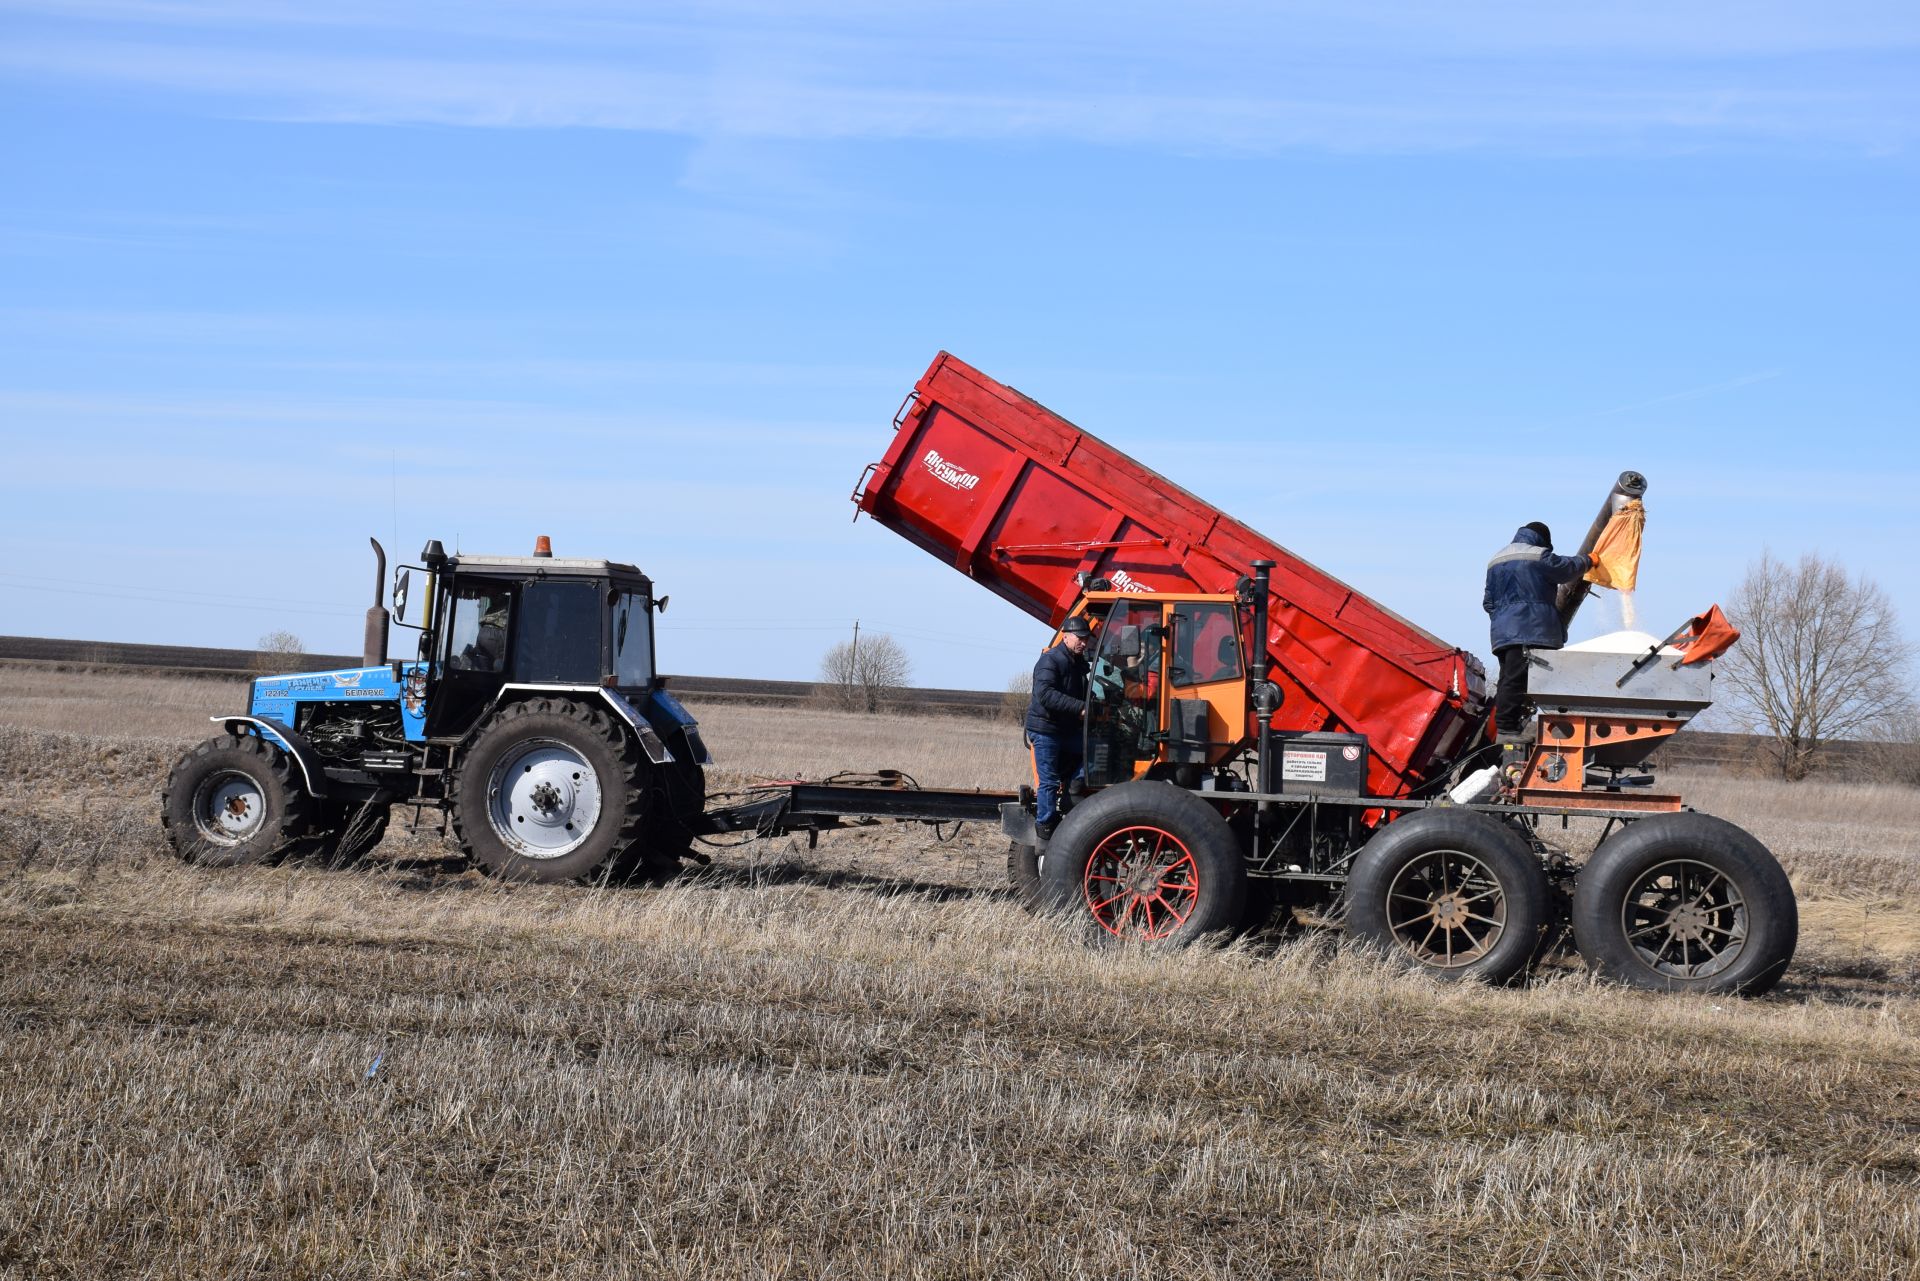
(531, 715)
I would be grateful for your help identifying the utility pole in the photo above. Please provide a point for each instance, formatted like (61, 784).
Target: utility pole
(853, 662)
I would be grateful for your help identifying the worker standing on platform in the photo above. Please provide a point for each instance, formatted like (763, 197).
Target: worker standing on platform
(1054, 717)
(1521, 583)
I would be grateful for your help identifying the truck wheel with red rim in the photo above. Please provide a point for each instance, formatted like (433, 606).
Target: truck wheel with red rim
(1450, 893)
(1686, 903)
(1147, 862)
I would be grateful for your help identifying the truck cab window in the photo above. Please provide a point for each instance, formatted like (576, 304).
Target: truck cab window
(1206, 645)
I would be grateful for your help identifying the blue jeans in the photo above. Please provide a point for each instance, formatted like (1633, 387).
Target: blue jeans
(1057, 761)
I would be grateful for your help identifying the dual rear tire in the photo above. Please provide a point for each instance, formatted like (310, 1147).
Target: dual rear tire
(1686, 903)
(1450, 893)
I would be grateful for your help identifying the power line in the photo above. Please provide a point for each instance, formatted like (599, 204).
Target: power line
(134, 594)
(67, 584)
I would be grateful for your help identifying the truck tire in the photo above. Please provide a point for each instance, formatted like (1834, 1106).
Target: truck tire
(235, 800)
(1146, 862)
(1450, 893)
(550, 790)
(1686, 903)
(1024, 863)
(350, 833)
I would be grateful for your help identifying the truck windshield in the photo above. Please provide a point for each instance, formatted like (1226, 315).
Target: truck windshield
(1123, 693)
(632, 640)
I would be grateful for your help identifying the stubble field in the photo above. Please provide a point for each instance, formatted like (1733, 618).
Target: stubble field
(864, 1060)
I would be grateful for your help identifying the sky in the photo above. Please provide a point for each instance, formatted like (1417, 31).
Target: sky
(1382, 281)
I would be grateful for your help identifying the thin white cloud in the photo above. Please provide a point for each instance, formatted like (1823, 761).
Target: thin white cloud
(189, 419)
(1691, 393)
(1213, 77)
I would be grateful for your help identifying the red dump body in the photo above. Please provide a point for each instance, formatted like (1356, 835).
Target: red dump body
(1020, 499)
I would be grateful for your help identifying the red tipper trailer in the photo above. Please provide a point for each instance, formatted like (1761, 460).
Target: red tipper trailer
(1021, 500)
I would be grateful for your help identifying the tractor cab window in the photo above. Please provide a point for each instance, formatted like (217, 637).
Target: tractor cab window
(558, 641)
(632, 640)
(1123, 693)
(1206, 645)
(477, 640)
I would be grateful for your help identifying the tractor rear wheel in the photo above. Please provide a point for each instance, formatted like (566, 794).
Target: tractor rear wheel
(1450, 893)
(234, 800)
(1147, 862)
(551, 790)
(1686, 903)
(666, 839)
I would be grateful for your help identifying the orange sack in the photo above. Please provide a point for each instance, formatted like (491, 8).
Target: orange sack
(1616, 557)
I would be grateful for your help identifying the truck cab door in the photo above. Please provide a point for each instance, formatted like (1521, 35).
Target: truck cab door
(1207, 704)
(1126, 685)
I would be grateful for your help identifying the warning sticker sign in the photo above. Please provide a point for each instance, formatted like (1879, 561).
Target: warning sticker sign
(1303, 767)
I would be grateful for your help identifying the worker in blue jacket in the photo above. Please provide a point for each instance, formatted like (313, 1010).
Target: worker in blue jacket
(1522, 580)
(1055, 714)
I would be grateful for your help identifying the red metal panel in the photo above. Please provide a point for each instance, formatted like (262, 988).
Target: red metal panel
(1023, 501)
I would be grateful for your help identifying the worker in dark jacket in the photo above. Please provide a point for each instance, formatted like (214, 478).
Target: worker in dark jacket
(1054, 717)
(1522, 580)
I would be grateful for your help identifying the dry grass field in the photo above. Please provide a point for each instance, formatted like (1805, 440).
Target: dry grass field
(863, 1061)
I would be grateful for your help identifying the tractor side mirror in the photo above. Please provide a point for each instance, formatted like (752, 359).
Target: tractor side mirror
(1126, 642)
(402, 581)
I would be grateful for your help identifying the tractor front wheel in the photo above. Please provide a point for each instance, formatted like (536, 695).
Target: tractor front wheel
(551, 790)
(234, 800)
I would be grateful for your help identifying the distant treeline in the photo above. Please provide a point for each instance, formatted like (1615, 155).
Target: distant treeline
(193, 660)
(1690, 749)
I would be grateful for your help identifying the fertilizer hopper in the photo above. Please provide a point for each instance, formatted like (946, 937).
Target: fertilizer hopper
(1605, 705)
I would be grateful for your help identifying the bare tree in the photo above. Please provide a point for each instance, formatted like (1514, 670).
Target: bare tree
(1897, 758)
(862, 674)
(273, 646)
(1820, 658)
(1019, 694)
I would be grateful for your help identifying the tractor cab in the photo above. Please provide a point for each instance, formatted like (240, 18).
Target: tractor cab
(1167, 685)
(490, 624)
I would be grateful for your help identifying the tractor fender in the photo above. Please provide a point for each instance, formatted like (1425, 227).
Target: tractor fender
(649, 741)
(290, 740)
(679, 721)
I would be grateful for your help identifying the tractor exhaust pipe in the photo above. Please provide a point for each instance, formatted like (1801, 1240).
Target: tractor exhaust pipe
(1631, 485)
(374, 648)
